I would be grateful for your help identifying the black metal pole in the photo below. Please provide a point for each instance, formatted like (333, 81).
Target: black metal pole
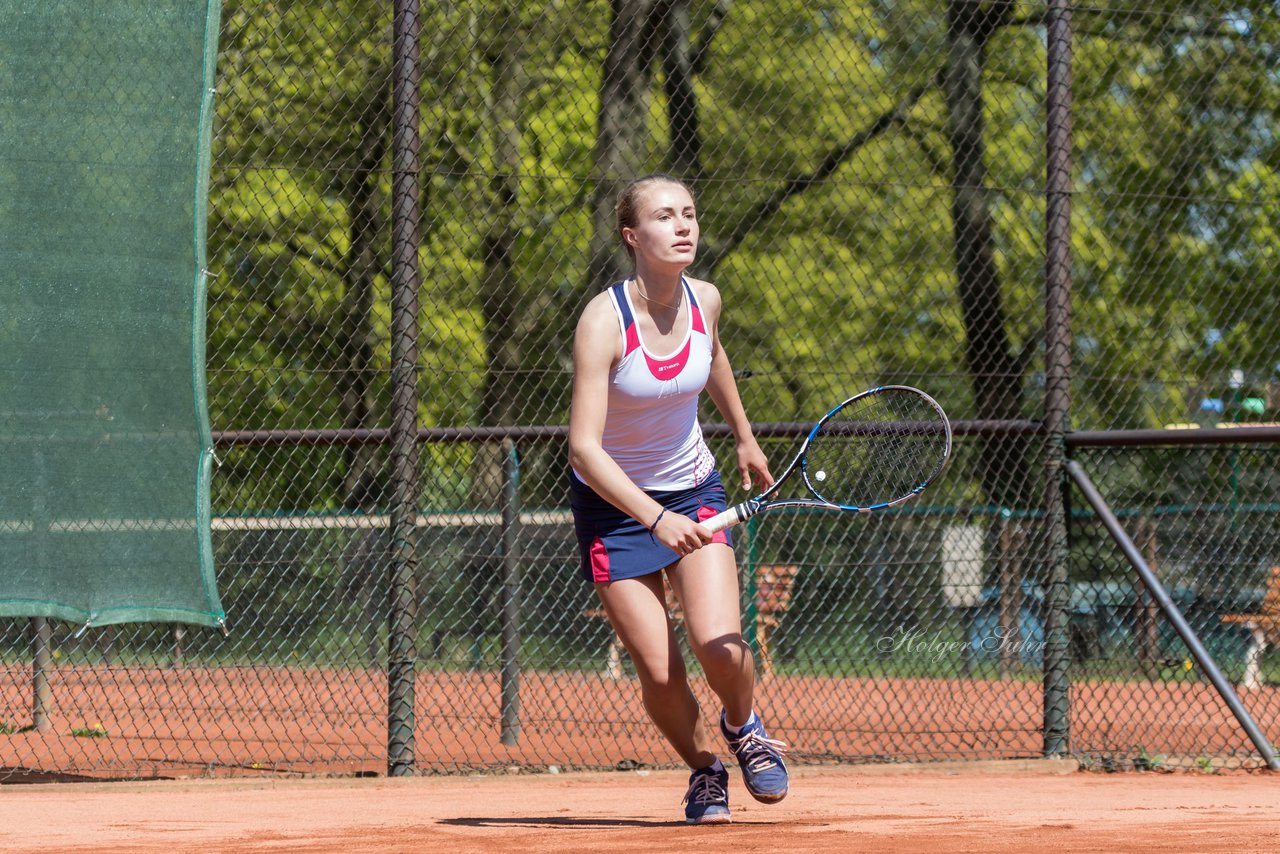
(1174, 615)
(1057, 652)
(510, 593)
(41, 631)
(41, 667)
(402, 642)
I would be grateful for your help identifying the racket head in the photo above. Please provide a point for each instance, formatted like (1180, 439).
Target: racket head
(877, 449)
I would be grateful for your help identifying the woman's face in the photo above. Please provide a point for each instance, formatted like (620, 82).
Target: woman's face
(666, 229)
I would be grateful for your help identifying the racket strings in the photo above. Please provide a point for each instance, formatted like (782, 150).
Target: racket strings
(876, 449)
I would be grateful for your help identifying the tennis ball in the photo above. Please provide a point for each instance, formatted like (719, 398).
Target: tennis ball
(822, 475)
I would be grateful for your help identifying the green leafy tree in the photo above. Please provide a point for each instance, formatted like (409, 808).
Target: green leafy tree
(299, 233)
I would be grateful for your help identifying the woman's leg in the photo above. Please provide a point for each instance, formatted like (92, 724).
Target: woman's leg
(706, 583)
(638, 612)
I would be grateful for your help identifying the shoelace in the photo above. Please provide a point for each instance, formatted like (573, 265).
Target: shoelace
(758, 752)
(705, 789)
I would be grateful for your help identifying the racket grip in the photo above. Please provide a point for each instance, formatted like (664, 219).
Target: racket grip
(736, 514)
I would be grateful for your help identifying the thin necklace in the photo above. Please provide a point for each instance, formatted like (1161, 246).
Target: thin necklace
(649, 299)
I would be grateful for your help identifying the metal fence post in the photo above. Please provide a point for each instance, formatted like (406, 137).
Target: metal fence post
(1057, 677)
(750, 617)
(510, 593)
(405, 219)
(41, 630)
(42, 664)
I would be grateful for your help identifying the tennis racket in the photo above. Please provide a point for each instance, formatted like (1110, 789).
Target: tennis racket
(875, 450)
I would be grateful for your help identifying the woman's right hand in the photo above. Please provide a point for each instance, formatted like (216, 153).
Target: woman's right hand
(681, 534)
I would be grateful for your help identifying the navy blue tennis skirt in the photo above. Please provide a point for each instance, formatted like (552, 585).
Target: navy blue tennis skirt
(612, 545)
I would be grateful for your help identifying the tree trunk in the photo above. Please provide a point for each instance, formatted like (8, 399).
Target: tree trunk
(685, 155)
(621, 132)
(993, 367)
(501, 302)
(356, 335)
(363, 485)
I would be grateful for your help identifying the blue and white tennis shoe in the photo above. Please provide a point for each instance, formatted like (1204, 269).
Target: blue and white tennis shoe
(760, 758)
(707, 801)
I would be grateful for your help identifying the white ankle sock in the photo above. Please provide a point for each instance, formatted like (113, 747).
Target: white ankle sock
(737, 730)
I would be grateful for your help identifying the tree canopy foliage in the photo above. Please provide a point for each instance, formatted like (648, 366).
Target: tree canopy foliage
(836, 184)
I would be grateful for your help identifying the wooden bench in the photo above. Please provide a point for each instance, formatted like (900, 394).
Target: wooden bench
(1264, 628)
(772, 599)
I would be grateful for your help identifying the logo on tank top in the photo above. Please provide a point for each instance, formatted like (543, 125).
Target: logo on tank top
(663, 369)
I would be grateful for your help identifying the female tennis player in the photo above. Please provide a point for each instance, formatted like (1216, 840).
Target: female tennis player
(643, 479)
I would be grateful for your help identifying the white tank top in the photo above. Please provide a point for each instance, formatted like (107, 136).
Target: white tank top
(651, 428)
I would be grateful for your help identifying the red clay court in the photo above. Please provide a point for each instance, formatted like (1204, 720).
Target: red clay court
(1013, 806)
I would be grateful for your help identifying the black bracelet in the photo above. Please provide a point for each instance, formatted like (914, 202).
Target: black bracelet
(654, 526)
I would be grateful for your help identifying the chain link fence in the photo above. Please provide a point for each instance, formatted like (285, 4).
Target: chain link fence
(871, 180)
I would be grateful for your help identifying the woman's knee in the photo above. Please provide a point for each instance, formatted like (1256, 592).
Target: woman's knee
(724, 654)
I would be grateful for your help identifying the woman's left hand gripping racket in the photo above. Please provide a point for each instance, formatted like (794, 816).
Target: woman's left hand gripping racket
(875, 450)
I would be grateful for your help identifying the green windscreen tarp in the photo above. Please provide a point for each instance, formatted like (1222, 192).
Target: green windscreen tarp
(105, 447)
